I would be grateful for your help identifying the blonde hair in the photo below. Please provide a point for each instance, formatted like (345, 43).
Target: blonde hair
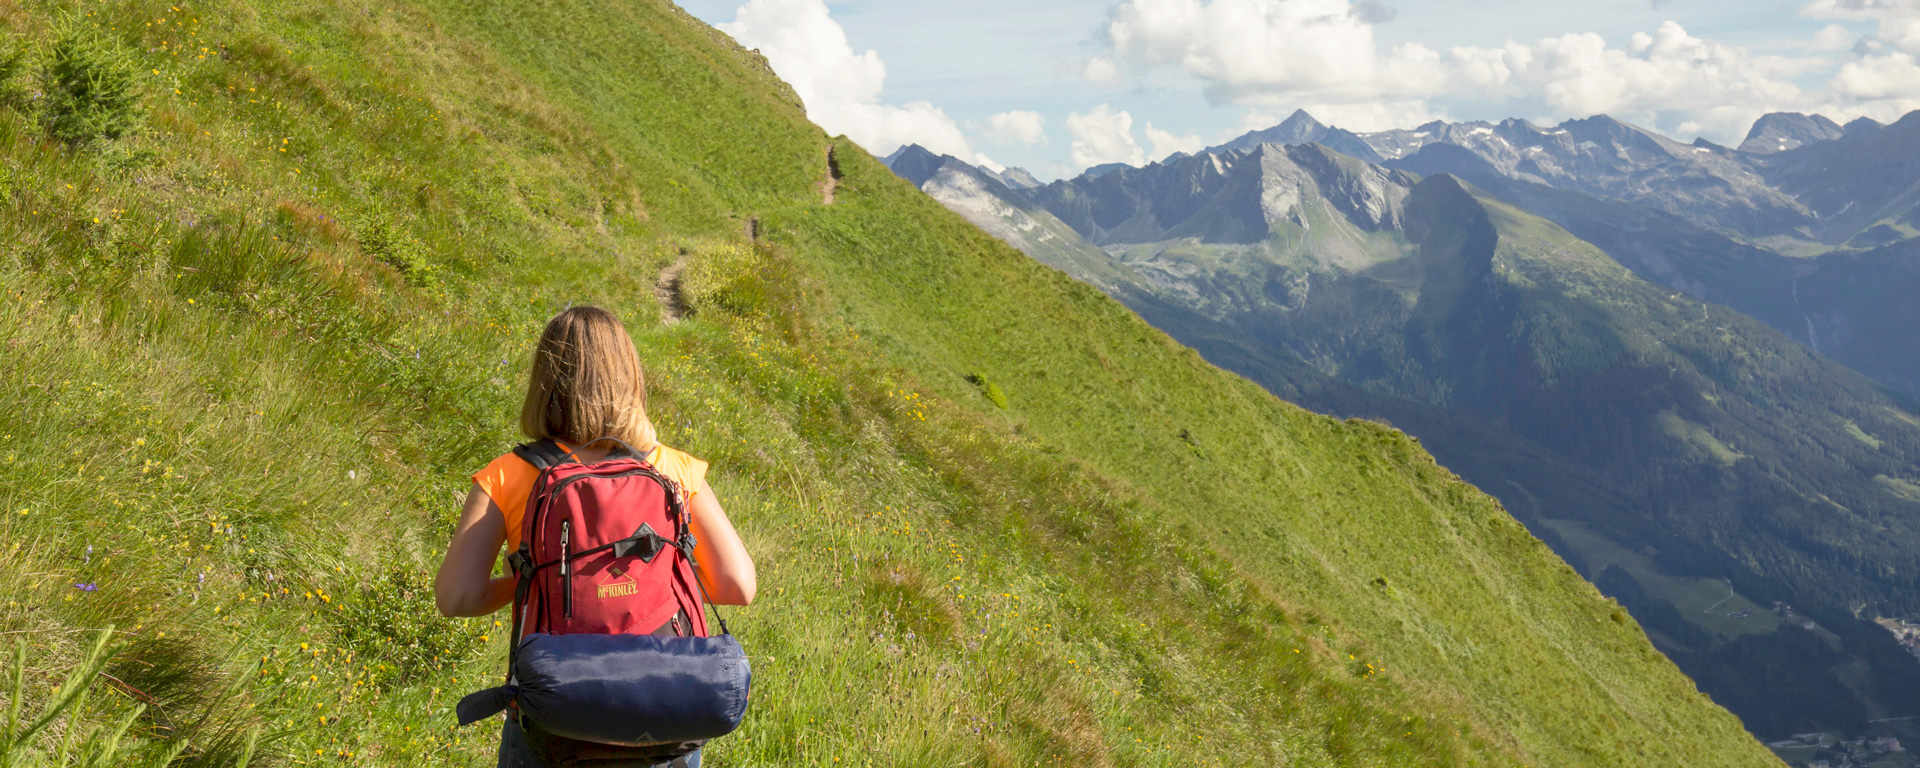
(586, 383)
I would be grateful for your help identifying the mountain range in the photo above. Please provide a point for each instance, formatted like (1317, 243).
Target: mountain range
(1688, 368)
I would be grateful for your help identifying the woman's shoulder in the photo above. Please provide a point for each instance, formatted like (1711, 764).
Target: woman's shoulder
(506, 476)
(681, 466)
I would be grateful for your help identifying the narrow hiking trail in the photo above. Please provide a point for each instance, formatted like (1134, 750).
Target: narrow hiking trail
(666, 290)
(666, 287)
(832, 181)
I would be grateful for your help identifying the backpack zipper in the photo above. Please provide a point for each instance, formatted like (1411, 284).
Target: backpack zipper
(566, 568)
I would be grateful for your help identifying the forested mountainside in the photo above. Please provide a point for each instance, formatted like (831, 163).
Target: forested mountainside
(272, 273)
(1630, 424)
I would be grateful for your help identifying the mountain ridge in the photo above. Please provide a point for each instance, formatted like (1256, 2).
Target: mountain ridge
(1877, 206)
(1302, 128)
(1232, 245)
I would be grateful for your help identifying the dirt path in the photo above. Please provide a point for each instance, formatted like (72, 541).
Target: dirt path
(666, 290)
(1722, 600)
(832, 181)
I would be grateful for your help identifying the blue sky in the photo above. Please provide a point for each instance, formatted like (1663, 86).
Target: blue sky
(1076, 82)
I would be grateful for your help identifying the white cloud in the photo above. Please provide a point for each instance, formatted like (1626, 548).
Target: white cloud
(987, 162)
(1103, 135)
(1578, 75)
(1242, 47)
(1165, 143)
(1899, 20)
(1322, 55)
(840, 88)
(1891, 76)
(1101, 69)
(1018, 127)
(1902, 32)
(1833, 37)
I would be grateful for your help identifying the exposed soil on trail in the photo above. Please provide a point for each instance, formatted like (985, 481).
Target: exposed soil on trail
(666, 290)
(832, 182)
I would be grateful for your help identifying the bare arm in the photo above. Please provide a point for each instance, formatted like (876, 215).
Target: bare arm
(464, 586)
(724, 563)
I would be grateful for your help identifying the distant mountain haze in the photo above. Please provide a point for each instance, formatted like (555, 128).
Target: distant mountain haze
(1552, 311)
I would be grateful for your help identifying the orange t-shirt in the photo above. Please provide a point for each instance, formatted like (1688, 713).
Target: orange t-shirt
(508, 479)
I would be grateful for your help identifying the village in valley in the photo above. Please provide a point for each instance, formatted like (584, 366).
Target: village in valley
(1881, 747)
(1907, 631)
(1818, 750)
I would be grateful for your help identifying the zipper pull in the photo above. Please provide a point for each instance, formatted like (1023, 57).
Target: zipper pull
(566, 568)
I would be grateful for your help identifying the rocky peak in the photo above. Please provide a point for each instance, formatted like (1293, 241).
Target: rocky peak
(1018, 178)
(1862, 124)
(1781, 131)
(915, 163)
(1298, 128)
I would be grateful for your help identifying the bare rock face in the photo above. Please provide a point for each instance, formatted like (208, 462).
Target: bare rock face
(1368, 195)
(1238, 196)
(1781, 131)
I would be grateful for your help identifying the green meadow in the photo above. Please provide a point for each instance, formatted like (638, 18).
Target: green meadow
(272, 272)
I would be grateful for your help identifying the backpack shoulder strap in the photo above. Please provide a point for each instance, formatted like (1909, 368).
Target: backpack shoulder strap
(541, 453)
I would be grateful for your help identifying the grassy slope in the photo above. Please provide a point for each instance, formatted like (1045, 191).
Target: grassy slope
(261, 429)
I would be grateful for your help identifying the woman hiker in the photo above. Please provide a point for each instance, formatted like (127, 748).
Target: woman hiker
(586, 383)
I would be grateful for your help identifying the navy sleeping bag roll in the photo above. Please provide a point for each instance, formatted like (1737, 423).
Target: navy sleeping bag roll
(625, 689)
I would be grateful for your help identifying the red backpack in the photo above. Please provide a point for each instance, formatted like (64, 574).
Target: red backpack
(608, 549)
(605, 549)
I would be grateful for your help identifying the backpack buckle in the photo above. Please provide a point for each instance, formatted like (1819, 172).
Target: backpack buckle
(647, 541)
